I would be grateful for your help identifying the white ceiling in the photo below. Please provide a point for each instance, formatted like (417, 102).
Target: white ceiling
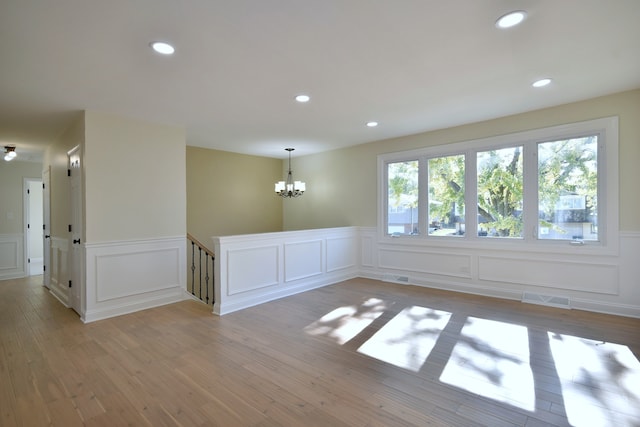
(412, 65)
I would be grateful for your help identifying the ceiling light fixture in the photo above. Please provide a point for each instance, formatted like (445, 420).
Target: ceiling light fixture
(290, 188)
(541, 82)
(9, 153)
(372, 124)
(511, 19)
(163, 48)
(303, 98)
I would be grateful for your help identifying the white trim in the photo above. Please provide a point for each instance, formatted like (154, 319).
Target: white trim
(132, 275)
(59, 269)
(12, 265)
(253, 269)
(606, 284)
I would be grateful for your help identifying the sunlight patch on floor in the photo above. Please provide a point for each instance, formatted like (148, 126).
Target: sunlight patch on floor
(600, 381)
(407, 340)
(491, 359)
(344, 323)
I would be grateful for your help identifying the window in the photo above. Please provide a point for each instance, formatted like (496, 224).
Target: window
(568, 189)
(540, 187)
(446, 196)
(500, 192)
(402, 197)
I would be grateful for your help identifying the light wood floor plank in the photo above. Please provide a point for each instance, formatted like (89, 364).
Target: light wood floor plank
(299, 361)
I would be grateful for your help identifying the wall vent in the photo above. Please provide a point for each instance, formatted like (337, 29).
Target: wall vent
(550, 300)
(395, 279)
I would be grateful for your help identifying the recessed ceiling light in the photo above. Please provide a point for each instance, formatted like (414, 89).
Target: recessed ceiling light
(372, 124)
(163, 48)
(303, 98)
(541, 82)
(511, 19)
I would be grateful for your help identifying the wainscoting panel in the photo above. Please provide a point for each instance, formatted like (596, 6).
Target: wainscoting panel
(256, 268)
(367, 253)
(302, 260)
(341, 253)
(252, 268)
(11, 256)
(59, 269)
(131, 273)
(127, 276)
(424, 261)
(590, 280)
(578, 276)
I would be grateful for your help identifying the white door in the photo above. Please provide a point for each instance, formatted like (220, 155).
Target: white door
(46, 227)
(75, 228)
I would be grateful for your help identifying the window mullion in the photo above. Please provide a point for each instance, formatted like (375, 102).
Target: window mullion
(530, 188)
(471, 195)
(423, 197)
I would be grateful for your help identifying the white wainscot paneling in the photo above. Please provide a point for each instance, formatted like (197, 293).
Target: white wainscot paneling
(132, 272)
(11, 256)
(251, 268)
(425, 261)
(302, 260)
(368, 251)
(123, 277)
(59, 269)
(341, 253)
(578, 276)
(256, 268)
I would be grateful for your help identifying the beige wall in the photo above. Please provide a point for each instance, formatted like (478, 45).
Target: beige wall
(12, 176)
(56, 158)
(135, 186)
(229, 193)
(342, 184)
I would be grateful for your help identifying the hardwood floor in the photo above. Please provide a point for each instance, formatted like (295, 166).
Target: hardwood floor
(360, 353)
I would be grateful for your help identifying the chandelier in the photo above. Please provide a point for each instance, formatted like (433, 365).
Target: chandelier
(290, 188)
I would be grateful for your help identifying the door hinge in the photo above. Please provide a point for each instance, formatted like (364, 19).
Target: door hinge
(44, 268)
(28, 260)
(44, 227)
(70, 283)
(28, 226)
(68, 172)
(69, 228)
(43, 185)
(28, 191)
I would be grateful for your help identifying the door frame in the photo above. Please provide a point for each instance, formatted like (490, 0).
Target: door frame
(46, 228)
(76, 293)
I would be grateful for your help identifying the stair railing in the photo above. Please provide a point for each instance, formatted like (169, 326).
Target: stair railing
(197, 253)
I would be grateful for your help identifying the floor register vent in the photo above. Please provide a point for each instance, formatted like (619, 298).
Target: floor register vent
(550, 300)
(396, 279)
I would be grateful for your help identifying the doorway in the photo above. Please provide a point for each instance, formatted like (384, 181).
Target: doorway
(33, 220)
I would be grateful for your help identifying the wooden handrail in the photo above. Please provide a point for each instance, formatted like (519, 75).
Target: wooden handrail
(200, 245)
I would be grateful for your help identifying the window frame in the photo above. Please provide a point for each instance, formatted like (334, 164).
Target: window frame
(608, 197)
